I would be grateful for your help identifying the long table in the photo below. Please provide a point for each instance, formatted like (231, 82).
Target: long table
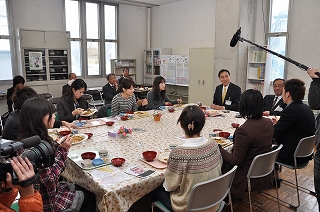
(151, 136)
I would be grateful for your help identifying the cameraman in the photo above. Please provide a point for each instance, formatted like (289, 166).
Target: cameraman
(314, 103)
(30, 200)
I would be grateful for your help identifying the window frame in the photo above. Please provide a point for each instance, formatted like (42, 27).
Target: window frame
(280, 34)
(11, 36)
(101, 40)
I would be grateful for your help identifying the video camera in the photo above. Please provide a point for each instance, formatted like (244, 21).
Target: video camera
(39, 152)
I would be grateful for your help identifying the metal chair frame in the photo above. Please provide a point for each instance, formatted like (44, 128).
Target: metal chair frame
(95, 102)
(261, 166)
(45, 95)
(199, 198)
(304, 148)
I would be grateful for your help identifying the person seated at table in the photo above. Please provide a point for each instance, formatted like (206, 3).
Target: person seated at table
(72, 104)
(36, 118)
(157, 96)
(110, 89)
(21, 94)
(29, 198)
(125, 100)
(296, 122)
(17, 80)
(252, 138)
(125, 74)
(226, 95)
(195, 160)
(66, 87)
(273, 104)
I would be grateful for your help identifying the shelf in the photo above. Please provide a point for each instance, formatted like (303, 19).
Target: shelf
(58, 56)
(257, 79)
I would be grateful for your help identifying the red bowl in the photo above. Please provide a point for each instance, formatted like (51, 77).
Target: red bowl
(149, 155)
(124, 118)
(224, 134)
(203, 107)
(130, 112)
(64, 132)
(169, 104)
(117, 161)
(89, 135)
(88, 155)
(110, 123)
(235, 125)
(171, 109)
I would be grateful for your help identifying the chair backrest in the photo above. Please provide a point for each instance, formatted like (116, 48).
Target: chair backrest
(54, 100)
(45, 95)
(210, 193)
(305, 147)
(263, 164)
(96, 95)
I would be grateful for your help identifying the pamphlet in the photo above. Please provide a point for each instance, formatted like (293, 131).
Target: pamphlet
(139, 171)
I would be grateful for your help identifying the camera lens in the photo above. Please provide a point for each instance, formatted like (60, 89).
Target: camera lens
(42, 155)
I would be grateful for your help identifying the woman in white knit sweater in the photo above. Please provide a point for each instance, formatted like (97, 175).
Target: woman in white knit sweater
(195, 160)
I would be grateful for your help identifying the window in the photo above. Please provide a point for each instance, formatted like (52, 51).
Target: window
(5, 43)
(92, 27)
(278, 35)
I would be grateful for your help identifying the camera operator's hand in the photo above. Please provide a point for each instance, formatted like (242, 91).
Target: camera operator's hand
(312, 72)
(24, 171)
(67, 142)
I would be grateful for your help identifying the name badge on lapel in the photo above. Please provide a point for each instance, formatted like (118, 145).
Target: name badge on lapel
(228, 102)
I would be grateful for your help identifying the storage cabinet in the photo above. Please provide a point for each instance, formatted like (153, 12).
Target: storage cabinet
(258, 76)
(117, 66)
(153, 62)
(44, 55)
(201, 75)
(177, 92)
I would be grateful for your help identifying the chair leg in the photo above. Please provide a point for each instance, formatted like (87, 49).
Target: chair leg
(249, 191)
(230, 201)
(297, 187)
(277, 192)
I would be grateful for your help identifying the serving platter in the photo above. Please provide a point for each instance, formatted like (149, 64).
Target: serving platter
(76, 157)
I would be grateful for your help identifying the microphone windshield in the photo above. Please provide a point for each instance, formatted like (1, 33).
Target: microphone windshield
(235, 38)
(31, 141)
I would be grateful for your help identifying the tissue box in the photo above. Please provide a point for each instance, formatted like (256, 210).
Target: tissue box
(112, 134)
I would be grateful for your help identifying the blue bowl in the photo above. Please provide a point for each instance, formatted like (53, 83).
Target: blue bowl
(97, 162)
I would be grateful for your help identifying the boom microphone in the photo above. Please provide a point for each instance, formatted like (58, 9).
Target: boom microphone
(236, 37)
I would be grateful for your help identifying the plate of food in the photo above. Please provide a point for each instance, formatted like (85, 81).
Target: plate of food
(78, 138)
(163, 157)
(222, 141)
(89, 112)
(141, 113)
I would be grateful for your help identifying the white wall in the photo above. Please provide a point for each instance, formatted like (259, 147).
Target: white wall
(133, 36)
(182, 25)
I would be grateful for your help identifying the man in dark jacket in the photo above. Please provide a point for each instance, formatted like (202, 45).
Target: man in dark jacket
(273, 104)
(226, 95)
(110, 89)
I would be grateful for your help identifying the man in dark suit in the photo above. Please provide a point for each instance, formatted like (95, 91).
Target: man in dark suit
(226, 95)
(65, 88)
(273, 104)
(296, 122)
(110, 89)
(125, 75)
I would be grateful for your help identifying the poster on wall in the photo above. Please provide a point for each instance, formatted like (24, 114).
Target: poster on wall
(168, 68)
(182, 70)
(35, 60)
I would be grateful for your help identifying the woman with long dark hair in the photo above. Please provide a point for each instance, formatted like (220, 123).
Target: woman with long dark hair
(158, 97)
(252, 138)
(36, 118)
(72, 104)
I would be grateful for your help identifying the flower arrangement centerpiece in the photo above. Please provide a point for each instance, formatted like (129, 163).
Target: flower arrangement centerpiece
(157, 115)
(123, 131)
